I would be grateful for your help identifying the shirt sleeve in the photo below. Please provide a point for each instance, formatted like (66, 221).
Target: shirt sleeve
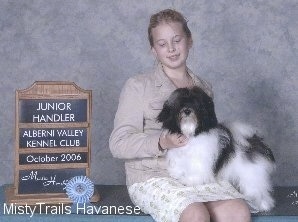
(128, 140)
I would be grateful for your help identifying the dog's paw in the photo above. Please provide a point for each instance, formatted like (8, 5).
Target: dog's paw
(265, 204)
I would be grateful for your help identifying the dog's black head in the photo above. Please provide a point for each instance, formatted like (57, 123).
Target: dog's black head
(188, 111)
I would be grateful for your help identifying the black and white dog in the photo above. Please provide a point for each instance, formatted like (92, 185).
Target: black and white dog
(232, 152)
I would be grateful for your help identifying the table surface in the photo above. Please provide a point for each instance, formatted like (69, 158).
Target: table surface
(117, 196)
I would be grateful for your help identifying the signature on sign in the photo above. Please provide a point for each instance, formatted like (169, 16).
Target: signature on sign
(47, 181)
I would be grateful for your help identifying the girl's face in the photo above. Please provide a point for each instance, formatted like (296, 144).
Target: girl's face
(171, 45)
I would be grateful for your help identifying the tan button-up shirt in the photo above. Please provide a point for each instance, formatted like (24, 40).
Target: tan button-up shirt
(136, 132)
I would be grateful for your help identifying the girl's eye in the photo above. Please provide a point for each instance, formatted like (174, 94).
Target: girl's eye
(162, 44)
(177, 40)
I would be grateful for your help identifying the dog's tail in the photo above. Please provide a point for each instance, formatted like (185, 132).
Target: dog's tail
(241, 131)
(250, 139)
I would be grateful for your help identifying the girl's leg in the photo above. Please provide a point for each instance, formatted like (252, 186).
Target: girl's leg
(195, 212)
(229, 211)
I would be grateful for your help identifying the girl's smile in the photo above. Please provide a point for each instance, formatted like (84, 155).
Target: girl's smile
(173, 58)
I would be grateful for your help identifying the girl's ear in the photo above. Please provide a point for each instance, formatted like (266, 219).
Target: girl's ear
(153, 51)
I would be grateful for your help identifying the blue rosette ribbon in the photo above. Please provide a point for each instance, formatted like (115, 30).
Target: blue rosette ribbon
(80, 189)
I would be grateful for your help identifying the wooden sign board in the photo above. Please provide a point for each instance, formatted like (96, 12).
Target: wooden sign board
(52, 141)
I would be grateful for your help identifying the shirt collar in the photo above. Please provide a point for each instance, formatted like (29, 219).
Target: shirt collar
(161, 78)
(164, 83)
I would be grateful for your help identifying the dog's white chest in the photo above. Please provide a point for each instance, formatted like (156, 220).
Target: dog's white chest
(192, 164)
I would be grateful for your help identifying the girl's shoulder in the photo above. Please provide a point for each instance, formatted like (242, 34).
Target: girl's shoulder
(142, 78)
(203, 84)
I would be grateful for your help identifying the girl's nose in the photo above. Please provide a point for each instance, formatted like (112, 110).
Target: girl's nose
(171, 48)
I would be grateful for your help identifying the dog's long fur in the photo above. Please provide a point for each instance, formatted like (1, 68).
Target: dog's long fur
(233, 152)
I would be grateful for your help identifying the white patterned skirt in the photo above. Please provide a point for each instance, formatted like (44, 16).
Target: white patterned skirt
(165, 198)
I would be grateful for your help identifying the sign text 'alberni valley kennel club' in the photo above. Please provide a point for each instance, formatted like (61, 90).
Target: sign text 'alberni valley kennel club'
(52, 138)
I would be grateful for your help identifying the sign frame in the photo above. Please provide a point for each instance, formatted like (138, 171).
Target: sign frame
(50, 91)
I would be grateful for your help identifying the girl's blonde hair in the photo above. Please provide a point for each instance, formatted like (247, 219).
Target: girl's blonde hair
(167, 15)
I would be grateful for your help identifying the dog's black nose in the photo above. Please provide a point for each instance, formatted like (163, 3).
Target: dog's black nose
(187, 111)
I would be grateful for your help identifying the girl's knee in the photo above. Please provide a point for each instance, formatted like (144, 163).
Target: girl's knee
(229, 211)
(242, 212)
(195, 212)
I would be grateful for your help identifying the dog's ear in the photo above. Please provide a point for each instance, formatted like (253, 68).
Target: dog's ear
(165, 113)
(207, 116)
(212, 120)
(169, 106)
(168, 118)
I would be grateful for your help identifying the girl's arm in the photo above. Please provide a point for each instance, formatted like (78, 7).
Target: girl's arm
(128, 140)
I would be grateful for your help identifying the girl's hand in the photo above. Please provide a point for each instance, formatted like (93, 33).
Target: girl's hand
(169, 141)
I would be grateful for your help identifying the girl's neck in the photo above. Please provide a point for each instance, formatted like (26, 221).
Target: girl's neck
(179, 77)
(177, 74)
